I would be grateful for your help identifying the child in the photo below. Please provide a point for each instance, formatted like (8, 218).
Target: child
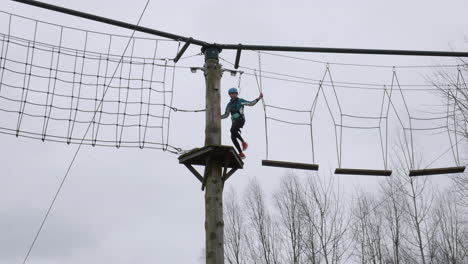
(235, 107)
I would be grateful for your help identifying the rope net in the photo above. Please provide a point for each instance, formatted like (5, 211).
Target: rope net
(53, 79)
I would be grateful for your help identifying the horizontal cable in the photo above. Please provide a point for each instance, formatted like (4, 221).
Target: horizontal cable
(429, 128)
(288, 122)
(338, 84)
(92, 55)
(362, 65)
(357, 127)
(287, 109)
(365, 117)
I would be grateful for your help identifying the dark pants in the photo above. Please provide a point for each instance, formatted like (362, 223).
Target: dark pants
(237, 124)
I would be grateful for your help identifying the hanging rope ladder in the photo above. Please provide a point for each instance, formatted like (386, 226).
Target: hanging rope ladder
(277, 163)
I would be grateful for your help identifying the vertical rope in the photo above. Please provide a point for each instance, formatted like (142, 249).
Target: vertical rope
(141, 104)
(6, 53)
(94, 133)
(331, 115)
(81, 81)
(312, 115)
(149, 93)
(118, 108)
(170, 107)
(2, 60)
(448, 126)
(260, 89)
(462, 85)
(49, 94)
(129, 81)
(69, 130)
(239, 81)
(341, 116)
(55, 82)
(26, 83)
(165, 145)
(384, 149)
(455, 103)
(386, 121)
(104, 85)
(405, 154)
(409, 116)
(23, 92)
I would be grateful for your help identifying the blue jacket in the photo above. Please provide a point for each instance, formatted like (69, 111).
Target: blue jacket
(235, 107)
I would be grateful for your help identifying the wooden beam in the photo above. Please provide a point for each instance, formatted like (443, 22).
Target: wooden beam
(206, 174)
(194, 171)
(229, 174)
(435, 171)
(363, 172)
(291, 165)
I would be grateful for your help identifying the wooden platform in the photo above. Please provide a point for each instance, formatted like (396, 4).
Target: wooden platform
(363, 172)
(435, 171)
(290, 165)
(224, 155)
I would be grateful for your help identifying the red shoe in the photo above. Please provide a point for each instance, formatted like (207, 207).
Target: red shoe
(242, 155)
(244, 145)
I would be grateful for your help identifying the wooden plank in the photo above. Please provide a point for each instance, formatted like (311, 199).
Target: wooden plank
(185, 158)
(434, 171)
(291, 165)
(363, 172)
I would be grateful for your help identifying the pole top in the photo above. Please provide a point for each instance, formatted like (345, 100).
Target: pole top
(211, 51)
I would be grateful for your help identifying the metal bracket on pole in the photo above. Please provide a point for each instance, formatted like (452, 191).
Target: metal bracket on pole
(182, 51)
(238, 54)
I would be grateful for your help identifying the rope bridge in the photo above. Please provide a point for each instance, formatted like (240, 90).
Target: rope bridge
(394, 120)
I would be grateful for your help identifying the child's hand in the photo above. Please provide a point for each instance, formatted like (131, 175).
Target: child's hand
(260, 96)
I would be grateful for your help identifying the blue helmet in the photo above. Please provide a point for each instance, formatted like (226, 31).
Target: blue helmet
(233, 90)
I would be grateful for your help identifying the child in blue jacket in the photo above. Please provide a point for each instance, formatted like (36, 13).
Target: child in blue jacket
(235, 107)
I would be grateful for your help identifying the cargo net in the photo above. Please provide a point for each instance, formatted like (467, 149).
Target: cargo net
(74, 86)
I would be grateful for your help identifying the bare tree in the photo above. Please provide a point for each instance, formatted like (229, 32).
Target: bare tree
(323, 210)
(417, 210)
(368, 230)
(234, 229)
(393, 217)
(452, 231)
(263, 240)
(288, 202)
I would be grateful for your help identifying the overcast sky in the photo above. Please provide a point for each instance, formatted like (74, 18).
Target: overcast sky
(141, 206)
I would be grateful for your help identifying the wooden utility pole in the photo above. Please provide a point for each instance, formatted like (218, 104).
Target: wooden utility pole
(214, 224)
